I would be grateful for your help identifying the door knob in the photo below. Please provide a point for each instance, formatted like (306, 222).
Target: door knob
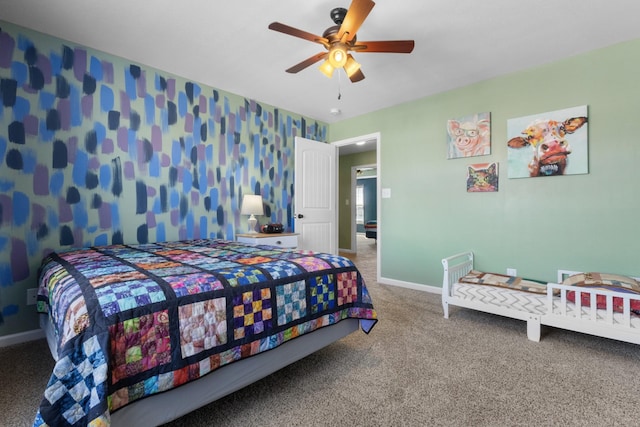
(300, 216)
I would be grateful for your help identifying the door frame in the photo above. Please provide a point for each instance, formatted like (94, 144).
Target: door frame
(377, 137)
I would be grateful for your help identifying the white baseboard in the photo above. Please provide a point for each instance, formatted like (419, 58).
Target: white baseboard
(411, 285)
(19, 338)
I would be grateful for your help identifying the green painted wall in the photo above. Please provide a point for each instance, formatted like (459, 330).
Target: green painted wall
(537, 225)
(346, 162)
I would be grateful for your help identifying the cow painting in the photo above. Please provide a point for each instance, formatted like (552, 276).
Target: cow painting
(547, 142)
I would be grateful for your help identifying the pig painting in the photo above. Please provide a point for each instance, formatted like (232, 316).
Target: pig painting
(469, 136)
(543, 146)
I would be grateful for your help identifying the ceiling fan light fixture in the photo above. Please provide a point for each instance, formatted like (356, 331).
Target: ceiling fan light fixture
(340, 39)
(338, 55)
(351, 66)
(327, 68)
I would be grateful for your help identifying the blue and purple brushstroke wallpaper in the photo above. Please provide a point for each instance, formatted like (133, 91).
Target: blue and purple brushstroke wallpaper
(97, 150)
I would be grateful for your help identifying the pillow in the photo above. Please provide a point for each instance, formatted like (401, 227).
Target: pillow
(504, 281)
(613, 281)
(607, 282)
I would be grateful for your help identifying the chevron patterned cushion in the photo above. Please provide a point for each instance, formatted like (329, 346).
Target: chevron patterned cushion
(504, 281)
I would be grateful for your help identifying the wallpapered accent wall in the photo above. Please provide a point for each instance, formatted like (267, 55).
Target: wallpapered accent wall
(97, 150)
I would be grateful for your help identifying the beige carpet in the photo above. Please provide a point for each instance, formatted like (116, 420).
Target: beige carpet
(414, 369)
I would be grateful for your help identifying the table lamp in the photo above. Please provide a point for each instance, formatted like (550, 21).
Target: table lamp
(252, 205)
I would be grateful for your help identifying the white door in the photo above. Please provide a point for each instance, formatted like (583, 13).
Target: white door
(314, 204)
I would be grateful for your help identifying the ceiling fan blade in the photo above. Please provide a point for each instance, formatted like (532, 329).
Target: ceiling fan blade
(307, 62)
(390, 46)
(356, 77)
(286, 29)
(357, 13)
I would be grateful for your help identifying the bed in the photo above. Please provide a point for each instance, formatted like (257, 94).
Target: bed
(604, 305)
(143, 334)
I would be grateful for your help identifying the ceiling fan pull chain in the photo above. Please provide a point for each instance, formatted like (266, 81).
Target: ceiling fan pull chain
(339, 83)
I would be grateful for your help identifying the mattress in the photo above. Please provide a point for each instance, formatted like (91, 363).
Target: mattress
(528, 302)
(501, 297)
(130, 321)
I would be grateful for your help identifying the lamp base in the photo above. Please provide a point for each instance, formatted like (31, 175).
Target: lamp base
(252, 224)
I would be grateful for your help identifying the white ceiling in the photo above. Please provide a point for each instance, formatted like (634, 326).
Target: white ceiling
(227, 44)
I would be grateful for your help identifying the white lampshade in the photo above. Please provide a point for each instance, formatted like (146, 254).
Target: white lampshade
(252, 205)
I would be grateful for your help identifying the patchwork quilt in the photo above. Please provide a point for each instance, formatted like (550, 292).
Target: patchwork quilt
(135, 320)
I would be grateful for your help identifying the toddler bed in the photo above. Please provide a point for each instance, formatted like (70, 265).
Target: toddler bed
(143, 334)
(605, 305)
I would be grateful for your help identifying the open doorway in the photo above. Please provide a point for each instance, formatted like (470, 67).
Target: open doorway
(357, 154)
(364, 207)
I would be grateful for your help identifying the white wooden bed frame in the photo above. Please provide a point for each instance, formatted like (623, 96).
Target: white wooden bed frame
(599, 322)
(172, 404)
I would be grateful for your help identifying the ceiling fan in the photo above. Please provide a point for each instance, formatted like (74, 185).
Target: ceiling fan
(340, 39)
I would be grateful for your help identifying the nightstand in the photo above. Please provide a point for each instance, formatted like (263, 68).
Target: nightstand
(284, 240)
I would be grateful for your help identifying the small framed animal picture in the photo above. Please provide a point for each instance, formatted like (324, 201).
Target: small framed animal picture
(469, 136)
(548, 144)
(482, 177)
